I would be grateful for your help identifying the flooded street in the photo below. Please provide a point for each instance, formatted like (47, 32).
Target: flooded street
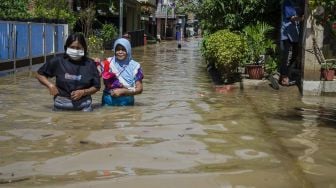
(180, 133)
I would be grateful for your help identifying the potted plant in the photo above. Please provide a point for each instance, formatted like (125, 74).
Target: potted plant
(223, 51)
(108, 34)
(258, 44)
(328, 70)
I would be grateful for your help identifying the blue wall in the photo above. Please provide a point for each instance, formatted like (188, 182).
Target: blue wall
(37, 40)
(49, 38)
(6, 45)
(21, 40)
(59, 38)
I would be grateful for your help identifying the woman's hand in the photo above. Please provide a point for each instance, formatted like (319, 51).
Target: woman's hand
(297, 18)
(118, 92)
(78, 94)
(52, 89)
(98, 65)
(127, 92)
(44, 80)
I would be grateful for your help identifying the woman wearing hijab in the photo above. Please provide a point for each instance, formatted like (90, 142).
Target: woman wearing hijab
(122, 76)
(76, 76)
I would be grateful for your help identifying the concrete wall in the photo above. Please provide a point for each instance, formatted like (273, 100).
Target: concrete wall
(312, 56)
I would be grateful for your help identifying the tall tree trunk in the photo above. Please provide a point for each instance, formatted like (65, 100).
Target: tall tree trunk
(71, 4)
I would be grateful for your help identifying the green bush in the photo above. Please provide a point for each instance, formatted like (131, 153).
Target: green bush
(108, 32)
(95, 45)
(271, 64)
(235, 14)
(14, 9)
(225, 49)
(54, 9)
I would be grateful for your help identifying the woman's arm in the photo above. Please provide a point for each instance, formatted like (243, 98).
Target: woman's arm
(44, 80)
(127, 92)
(78, 94)
(99, 65)
(138, 87)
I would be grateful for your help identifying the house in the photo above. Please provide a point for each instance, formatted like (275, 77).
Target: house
(148, 19)
(165, 19)
(108, 12)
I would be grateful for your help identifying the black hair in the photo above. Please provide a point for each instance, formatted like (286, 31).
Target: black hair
(76, 37)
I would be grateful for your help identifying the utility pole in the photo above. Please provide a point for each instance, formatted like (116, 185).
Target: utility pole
(121, 18)
(166, 20)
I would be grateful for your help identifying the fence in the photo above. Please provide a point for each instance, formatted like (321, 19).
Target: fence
(136, 38)
(27, 43)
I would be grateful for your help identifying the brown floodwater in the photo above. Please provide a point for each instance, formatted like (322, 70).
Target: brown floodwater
(181, 132)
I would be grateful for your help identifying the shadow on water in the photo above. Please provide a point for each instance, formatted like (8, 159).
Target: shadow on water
(326, 116)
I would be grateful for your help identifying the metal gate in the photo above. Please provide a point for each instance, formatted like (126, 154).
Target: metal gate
(23, 42)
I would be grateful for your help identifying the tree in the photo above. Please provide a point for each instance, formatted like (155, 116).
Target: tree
(54, 9)
(49, 9)
(233, 14)
(14, 9)
(328, 12)
(86, 18)
(186, 6)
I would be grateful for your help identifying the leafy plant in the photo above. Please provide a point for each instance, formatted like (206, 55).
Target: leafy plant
(329, 64)
(47, 9)
(95, 44)
(108, 32)
(186, 6)
(42, 12)
(326, 9)
(225, 49)
(271, 64)
(234, 14)
(86, 18)
(14, 9)
(258, 42)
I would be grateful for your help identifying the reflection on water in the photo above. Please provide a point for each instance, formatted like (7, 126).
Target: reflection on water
(181, 128)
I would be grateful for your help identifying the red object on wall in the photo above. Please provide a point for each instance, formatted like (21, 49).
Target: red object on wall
(145, 39)
(328, 74)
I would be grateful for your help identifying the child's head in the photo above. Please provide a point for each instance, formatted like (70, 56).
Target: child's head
(120, 52)
(76, 41)
(122, 49)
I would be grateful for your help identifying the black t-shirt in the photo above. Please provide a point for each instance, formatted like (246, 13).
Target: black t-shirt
(71, 75)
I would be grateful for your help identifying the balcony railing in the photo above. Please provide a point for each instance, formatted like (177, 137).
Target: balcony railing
(162, 12)
(151, 2)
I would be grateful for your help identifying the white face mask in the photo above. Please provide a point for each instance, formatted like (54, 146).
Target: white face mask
(75, 54)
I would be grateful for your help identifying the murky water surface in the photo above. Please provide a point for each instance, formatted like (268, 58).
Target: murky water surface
(180, 133)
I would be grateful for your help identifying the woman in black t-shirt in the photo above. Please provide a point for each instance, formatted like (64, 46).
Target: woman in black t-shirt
(76, 76)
